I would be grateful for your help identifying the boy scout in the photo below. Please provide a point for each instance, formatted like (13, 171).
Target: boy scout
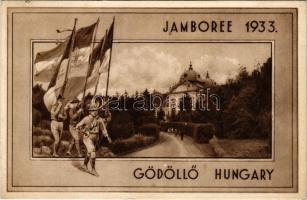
(74, 112)
(90, 126)
(57, 118)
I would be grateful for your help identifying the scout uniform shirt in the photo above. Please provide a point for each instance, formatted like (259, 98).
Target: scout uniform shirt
(91, 126)
(94, 124)
(73, 116)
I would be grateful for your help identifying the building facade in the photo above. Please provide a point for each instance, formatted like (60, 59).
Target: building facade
(190, 84)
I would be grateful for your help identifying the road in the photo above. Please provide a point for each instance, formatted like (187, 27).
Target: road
(170, 145)
(109, 169)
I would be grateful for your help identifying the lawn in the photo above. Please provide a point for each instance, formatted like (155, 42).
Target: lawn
(241, 148)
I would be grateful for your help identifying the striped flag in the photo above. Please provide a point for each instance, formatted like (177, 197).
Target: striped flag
(101, 58)
(69, 83)
(47, 63)
(79, 65)
(104, 53)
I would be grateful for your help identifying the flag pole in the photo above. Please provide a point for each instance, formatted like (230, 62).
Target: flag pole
(102, 47)
(90, 60)
(69, 56)
(97, 84)
(108, 77)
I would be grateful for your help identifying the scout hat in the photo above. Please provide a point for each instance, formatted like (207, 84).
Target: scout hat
(75, 100)
(93, 107)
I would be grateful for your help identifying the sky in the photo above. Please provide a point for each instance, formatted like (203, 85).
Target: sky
(158, 66)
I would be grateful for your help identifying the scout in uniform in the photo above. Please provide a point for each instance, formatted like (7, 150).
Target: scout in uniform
(90, 126)
(57, 118)
(74, 112)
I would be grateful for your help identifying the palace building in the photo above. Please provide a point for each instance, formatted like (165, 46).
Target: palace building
(190, 84)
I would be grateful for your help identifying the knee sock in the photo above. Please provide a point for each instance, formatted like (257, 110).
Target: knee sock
(87, 158)
(92, 161)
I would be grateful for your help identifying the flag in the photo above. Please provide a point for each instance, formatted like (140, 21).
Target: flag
(71, 85)
(104, 50)
(69, 77)
(47, 63)
(101, 58)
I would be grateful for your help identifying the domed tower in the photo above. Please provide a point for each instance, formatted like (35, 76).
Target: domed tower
(193, 80)
(190, 75)
(190, 83)
(208, 81)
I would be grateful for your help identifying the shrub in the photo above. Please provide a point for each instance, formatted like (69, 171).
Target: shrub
(47, 132)
(45, 124)
(150, 130)
(42, 140)
(36, 116)
(204, 133)
(104, 152)
(264, 126)
(191, 129)
(36, 151)
(125, 145)
(45, 151)
(123, 130)
(120, 126)
(63, 147)
(36, 131)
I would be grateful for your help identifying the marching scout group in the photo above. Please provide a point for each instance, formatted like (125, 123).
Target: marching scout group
(89, 127)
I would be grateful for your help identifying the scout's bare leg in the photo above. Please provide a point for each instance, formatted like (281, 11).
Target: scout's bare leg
(71, 145)
(92, 150)
(77, 143)
(75, 140)
(56, 134)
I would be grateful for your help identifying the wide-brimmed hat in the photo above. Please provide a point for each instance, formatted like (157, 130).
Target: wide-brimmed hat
(75, 100)
(93, 107)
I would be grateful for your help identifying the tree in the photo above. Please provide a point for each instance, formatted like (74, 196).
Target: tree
(38, 101)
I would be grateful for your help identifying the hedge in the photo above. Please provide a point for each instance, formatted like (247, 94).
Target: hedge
(150, 130)
(120, 126)
(121, 146)
(204, 133)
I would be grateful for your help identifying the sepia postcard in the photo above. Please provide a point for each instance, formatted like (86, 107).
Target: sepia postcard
(182, 99)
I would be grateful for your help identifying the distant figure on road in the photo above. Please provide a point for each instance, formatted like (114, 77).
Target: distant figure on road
(185, 130)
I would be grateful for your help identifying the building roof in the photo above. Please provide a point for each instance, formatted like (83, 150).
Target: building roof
(190, 76)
